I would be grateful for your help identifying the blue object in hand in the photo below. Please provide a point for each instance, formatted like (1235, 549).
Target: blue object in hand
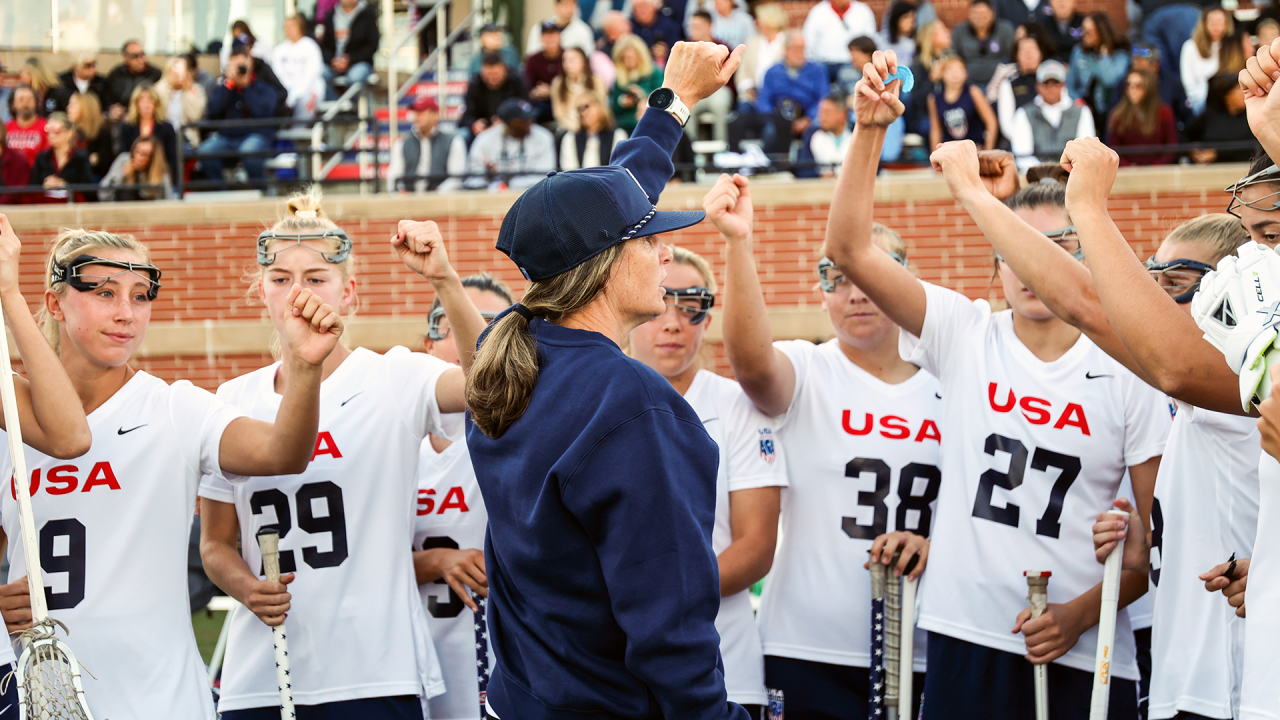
(903, 74)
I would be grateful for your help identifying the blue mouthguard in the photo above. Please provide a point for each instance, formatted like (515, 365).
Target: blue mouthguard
(903, 74)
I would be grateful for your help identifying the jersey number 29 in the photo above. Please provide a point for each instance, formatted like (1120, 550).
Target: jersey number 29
(335, 522)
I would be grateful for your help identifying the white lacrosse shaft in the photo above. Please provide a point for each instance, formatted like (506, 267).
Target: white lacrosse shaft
(269, 544)
(907, 629)
(26, 519)
(1038, 597)
(1107, 629)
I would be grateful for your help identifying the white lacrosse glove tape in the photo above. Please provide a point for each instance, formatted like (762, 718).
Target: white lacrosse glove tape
(1238, 308)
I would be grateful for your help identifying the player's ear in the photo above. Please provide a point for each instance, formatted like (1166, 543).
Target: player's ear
(53, 305)
(349, 297)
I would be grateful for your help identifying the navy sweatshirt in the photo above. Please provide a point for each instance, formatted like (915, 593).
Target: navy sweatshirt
(603, 588)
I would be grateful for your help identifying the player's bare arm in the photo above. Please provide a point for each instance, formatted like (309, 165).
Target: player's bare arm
(219, 551)
(49, 409)
(1162, 339)
(848, 240)
(252, 447)
(979, 182)
(463, 570)
(765, 373)
(912, 551)
(1231, 578)
(421, 247)
(753, 518)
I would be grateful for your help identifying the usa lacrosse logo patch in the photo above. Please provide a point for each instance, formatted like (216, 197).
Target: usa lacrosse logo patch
(766, 444)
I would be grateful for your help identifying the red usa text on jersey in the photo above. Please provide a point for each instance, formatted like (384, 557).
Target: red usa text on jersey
(63, 479)
(1039, 411)
(891, 427)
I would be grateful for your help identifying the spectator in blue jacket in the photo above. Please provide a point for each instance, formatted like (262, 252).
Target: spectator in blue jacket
(789, 96)
(657, 30)
(1099, 64)
(599, 479)
(239, 96)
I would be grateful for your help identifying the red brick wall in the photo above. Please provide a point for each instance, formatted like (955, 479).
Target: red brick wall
(203, 265)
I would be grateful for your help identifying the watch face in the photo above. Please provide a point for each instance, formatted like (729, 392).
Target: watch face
(661, 98)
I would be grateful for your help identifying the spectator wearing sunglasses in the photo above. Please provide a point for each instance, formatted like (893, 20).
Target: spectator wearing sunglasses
(61, 164)
(592, 144)
(123, 78)
(983, 41)
(1141, 118)
(83, 77)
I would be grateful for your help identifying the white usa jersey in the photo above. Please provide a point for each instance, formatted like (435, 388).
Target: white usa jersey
(356, 625)
(450, 513)
(863, 460)
(1258, 694)
(114, 527)
(750, 457)
(1206, 508)
(1034, 451)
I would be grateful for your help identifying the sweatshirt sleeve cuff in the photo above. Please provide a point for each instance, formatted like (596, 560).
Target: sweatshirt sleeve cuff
(647, 153)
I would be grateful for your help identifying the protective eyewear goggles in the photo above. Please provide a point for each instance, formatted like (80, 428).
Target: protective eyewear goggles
(1266, 203)
(694, 301)
(1180, 278)
(73, 273)
(829, 276)
(437, 314)
(267, 258)
(1066, 238)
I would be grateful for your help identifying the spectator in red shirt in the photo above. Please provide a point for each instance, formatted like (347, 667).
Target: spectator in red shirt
(542, 68)
(14, 171)
(1142, 118)
(25, 132)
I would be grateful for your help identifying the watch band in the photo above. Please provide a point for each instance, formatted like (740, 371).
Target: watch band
(679, 111)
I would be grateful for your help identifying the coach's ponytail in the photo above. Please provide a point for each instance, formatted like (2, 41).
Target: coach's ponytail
(505, 370)
(71, 243)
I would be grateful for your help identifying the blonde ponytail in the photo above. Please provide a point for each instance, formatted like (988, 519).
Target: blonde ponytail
(505, 370)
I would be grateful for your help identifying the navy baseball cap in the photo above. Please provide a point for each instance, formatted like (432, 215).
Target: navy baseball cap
(570, 217)
(516, 109)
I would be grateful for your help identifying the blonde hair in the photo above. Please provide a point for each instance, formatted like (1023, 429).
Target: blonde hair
(625, 75)
(505, 370)
(1220, 233)
(305, 214)
(688, 258)
(71, 243)
(888, 239)
(91, 120)
(42, 78)
(157, 171)
(1200, 35)
(772, 15)
(158, 113)
(927, 53)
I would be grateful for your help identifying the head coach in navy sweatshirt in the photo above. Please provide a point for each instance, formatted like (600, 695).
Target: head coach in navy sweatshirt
(598, 477)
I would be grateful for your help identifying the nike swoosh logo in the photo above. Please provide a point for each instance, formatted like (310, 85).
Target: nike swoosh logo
(122, 431)
(1090, 376)
(353, 397)
(938, 395)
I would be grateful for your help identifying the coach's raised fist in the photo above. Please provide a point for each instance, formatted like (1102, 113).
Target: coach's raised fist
(728, 207)
(1093, 171)
(875, 97)
(421, 248)
(10, 248)
(1262, 106)
(695, 70)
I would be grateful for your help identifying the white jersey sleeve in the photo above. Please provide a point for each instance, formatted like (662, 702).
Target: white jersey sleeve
(202, 448)
(949, 319)
(1146, 420)
(419, 374)
(754, 456)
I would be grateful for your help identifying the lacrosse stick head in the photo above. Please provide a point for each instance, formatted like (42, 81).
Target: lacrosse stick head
(48, 677)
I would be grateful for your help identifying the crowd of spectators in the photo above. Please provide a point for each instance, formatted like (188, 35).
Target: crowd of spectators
(1025, 75)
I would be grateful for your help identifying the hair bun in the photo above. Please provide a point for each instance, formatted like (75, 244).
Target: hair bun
(306, 204)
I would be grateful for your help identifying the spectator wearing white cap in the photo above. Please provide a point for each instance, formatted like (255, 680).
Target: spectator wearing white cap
(429, 157)
(1043, 127)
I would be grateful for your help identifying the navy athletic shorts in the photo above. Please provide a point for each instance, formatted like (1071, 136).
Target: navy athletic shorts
(400, 707)
(8, 700)
(967, 681)
(822, 691)
(1142, 638)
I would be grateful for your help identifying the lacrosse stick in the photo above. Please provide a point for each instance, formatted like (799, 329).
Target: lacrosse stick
(908, 631)
(269, 544)
(886, 642)
(1107, 629)
(48, 674)
(1038, 596)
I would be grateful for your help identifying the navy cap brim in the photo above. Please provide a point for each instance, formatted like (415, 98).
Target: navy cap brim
(665, 221)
